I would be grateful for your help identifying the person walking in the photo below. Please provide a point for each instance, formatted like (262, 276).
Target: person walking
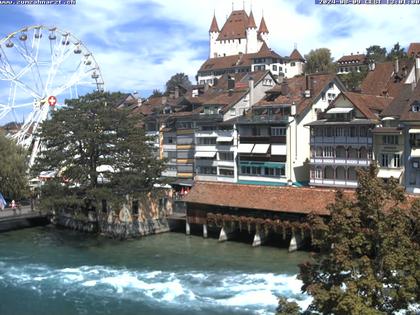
(13, 205)
(2, 202)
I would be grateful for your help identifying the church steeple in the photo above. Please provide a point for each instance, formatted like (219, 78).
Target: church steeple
(214, 28)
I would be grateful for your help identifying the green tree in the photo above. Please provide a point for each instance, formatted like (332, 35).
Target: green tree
(376, 53)
(319, 60)
(353, 79)
(156, 93)
(13, 167)
(98, 152)
(177, 79)
(369, 258)
(397, 52)
(287, 308)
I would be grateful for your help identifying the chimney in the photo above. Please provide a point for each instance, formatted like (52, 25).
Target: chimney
(372, 65)
(397, 66)
(176, 92)
(417, 67)
(251, 91)
(308, 87)
(231, 83)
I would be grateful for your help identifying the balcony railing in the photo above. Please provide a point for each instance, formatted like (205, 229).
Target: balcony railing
(341, 140)
(333, 182)
(263, 139)
(341, 161)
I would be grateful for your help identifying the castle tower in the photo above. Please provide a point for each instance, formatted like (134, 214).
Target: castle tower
(263, 30)
(214, 34)
(251, 35)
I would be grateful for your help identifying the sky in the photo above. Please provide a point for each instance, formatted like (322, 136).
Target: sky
(140, 44)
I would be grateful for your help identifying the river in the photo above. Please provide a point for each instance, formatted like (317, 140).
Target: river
(51, 271)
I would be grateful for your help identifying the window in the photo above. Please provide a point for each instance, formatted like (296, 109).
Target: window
(168, 140)
(232, 112)
(323, 96)
(292, 64)
(274, 67)
(207, 170)
(268, 82)
(318, 173)
(278, 131)
(390, 140)
(206, 141)
(363, 131)
(226, 172)
(415, 108)
(328, 152)
(226, 156)
(328, 132)
(396, 161)
(339, 132)
(353, 132)
(384, 160)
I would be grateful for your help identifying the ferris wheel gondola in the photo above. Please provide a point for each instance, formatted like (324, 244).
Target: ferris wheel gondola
(38, 64)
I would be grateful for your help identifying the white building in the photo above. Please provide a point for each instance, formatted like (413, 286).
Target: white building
(242, 47)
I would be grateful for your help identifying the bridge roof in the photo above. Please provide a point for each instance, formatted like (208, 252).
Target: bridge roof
(268, 198)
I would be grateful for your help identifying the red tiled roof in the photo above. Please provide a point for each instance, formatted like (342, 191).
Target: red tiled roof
(214, 27)
(295, 55)
(368, 105)
(240, 60)
(413, 49)
(349, 58)
(235, 26)
(292, 91)
(383, 81)
(271, 198)
(251, 21)
(263, 27)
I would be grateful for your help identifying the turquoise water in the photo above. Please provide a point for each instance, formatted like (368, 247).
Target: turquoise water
(50, 271)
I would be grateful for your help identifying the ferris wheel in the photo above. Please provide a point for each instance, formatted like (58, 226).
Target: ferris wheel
(40, 67)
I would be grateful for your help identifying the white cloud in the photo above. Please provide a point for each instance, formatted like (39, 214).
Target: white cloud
(145, 54)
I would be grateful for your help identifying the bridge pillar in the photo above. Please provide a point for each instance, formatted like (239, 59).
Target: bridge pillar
(205, 230)
(226, 233)
(295, 242)
(187, 228)
(259, 238)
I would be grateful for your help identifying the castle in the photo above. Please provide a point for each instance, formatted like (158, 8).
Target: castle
(240, 46)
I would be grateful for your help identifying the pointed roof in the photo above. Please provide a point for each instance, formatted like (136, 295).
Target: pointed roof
(251, 21)
(263, 26)
(214, 28)
(235, 26)
(295, 55)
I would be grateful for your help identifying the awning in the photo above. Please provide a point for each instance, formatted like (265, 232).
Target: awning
(224, 139)
(339, 110)
(388, 173)
(415, 153)
(261, 148)
(183, 182)
(245, 147)
(202, 154)
(277, 149)
(414, 131)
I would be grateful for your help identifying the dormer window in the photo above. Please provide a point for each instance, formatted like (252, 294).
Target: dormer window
(415, 107)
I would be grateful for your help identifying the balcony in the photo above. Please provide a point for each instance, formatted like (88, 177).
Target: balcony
(333, 182)
(341, 140)
(341, 161)
(263, 139)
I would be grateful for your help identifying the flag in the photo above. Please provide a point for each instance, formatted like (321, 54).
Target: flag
(2, 202)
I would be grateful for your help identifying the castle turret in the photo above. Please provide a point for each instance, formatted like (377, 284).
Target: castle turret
(214, 34)
(263, 30)
(251, 35)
